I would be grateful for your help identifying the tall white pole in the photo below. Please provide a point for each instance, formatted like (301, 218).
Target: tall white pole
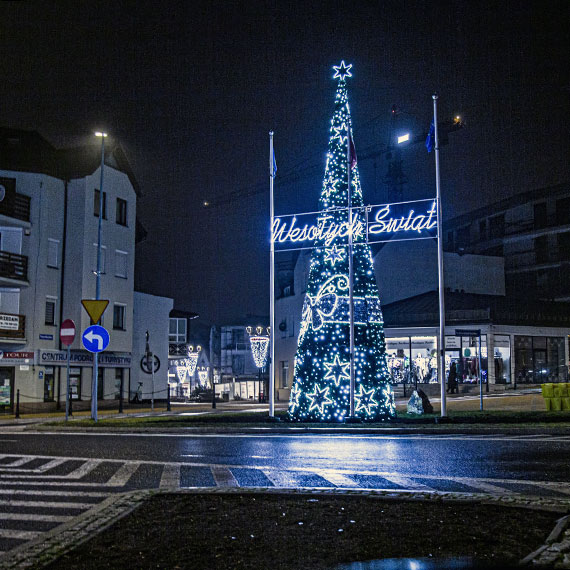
(271, 285)
(98, 280)
(441, 355)
(350, 277)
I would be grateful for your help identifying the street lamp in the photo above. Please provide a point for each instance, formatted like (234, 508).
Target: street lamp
(94, 383)
(191, 362)
(403, 138)
(259, 349)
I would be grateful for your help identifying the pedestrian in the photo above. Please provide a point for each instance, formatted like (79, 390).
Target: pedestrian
(452, 386)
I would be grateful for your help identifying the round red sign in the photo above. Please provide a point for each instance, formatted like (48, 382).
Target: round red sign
(67, 332)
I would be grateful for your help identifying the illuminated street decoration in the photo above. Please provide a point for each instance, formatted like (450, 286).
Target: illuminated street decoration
(334, 254)
(319, 399)
(342, 71)
(192, 359)
(181, 371)
(337, 370)
(203, 375)
(259, 347)
(321, 385)
(402, 220)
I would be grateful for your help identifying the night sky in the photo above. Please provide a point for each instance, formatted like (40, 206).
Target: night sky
(191, 89)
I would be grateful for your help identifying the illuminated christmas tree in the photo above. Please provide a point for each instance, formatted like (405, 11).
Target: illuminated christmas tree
(321, 387)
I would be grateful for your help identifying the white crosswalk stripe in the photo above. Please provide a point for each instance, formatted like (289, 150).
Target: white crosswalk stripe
(122, 476)
(170, 478)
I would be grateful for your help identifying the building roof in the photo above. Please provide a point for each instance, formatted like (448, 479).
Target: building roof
(28, 151)
(508, 203)
(463, 308)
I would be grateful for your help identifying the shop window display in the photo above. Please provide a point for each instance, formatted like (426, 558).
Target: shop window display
(502, 359)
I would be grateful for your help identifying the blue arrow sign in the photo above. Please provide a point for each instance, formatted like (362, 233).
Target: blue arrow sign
(95, 338)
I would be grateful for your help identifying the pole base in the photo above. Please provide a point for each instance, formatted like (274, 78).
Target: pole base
(442, 420)
(274, 419)
(352, 420)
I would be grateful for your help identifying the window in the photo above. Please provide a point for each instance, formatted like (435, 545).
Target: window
(540, 216)
(103, 258)
(564, 246)
(53, 253)
(121, 261)
(497, 226)
(541, 249)
(563, 212)
(50, 310)
(121, 214)
(284, 373)
(238, 364)
(177, 331)
(462, 237)
(482, 230)
(96, 205)
(119, 316)
(238, 337)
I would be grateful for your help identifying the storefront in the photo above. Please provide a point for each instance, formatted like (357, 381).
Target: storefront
(9, 363)
(114, 368)
(516, 358)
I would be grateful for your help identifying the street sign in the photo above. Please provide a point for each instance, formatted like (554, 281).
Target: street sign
(95, 338)
(145, 363)
(67, 332)
(95, 308)
(467, 332)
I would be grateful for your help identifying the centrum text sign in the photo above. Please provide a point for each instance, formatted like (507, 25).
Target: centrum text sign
(374, 224)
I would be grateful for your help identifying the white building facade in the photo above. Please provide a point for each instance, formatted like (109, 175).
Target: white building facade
(49, 214)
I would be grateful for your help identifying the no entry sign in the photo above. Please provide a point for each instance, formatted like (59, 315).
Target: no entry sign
(67, 332)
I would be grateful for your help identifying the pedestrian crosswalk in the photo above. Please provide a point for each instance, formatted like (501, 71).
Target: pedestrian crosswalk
(38, 493)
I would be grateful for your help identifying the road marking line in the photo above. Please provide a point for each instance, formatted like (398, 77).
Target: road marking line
(84, 469)
(19, 534)
(51, 464)
(17, 463)
(34, 517)
(47, 505)
(484, 486)
(122, 476)
(223, 477)
(337, 479)
(281, 478)
(51, 493)
(170, 478)
(407, 483)
(39, 482)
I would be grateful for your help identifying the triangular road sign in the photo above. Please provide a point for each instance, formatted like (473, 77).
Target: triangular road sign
(95, 308)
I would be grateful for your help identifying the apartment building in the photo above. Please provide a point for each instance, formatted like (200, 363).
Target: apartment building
(49, 214)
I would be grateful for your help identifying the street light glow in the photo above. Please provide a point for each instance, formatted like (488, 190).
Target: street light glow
(100, 134)
(404, 138)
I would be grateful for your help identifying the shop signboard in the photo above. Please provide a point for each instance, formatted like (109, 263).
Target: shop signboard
(16, 358)
(9, 322)
(82, 358)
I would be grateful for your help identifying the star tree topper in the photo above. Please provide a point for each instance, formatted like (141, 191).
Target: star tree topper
(342, 70)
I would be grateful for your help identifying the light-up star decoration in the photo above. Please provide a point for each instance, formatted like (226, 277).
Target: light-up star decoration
(342, 71)
(364, 400)
(334, 254)
(294, 401)
(337, 370)
(319, 399)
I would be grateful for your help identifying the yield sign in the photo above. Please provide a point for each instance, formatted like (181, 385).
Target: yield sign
(95, 308)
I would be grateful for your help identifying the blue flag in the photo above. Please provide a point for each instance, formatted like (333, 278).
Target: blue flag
(430, 138)
(273, 167)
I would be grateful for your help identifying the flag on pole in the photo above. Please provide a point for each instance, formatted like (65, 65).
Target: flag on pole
(430, 138)
(351, 151)
(273, 167)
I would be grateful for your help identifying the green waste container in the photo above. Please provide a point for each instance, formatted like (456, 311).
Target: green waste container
(547, 390)
(556, 404)
(560, 390)
(566, 403)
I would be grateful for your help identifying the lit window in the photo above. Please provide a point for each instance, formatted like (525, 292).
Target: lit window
(177, 331)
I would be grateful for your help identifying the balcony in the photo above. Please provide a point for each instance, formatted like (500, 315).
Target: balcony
(13, 267)
(18, 207)
(12, 327)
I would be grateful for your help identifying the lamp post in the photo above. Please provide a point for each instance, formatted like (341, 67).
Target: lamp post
(94, 386)
(259, 350)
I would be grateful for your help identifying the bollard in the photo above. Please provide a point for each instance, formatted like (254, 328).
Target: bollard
(17, 404)
(168, 399)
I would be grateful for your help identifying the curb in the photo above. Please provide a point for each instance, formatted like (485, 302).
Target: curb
(60, 540)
